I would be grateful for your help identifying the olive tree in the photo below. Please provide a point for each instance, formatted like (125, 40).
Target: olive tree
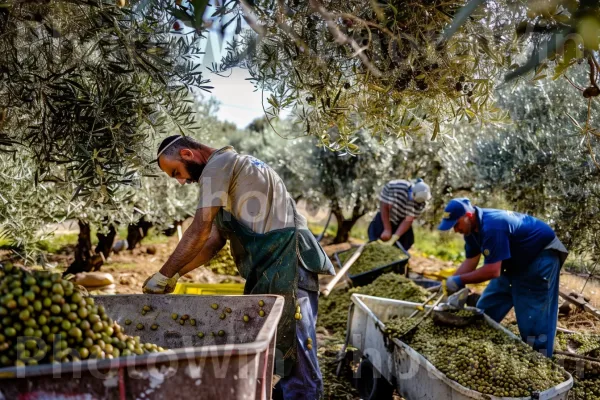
(85, 85)
(402, 68)
(543, 164)
(338, 62)
(85, 88)
(27, 207)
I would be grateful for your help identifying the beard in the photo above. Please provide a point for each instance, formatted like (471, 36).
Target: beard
(194, 170)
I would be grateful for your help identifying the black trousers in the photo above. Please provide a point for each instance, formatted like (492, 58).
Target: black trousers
(376, 228)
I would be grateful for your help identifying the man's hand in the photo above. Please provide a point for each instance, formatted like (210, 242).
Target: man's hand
(391, 241)
(385, 235)
(160, 284)
(454, 284)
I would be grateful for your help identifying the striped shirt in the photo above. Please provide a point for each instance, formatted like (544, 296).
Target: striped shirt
(395, 193)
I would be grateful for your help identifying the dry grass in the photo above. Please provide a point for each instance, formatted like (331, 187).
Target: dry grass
(575, 283)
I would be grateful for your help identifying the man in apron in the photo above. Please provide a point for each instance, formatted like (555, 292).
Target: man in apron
(242, 199)
(522, 258)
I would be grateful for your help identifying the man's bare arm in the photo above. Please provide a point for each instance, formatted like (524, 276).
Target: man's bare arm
(468, 265)
(192, 242)
(404, 226)
(483, 274)
(211, 248)
(385, 215)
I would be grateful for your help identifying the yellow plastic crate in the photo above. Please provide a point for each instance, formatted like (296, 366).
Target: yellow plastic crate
(448, 272)
(441, 274)
(209, 289)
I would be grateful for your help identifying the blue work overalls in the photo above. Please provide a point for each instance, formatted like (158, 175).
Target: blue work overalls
(530, 274)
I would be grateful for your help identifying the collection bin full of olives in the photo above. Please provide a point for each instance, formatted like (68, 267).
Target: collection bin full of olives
(376, 259)
(165, 347)
(438, 362)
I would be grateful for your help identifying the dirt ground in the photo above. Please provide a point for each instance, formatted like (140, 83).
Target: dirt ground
(131, 268)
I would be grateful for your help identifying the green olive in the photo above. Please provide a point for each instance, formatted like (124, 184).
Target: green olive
(24, 315)
(75, 332)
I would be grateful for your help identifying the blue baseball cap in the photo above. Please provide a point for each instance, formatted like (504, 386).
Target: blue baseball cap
(455, 209)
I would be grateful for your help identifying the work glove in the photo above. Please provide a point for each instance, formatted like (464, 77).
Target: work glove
(390, 242)
(459, 299)
(160, 284)
(454, 284)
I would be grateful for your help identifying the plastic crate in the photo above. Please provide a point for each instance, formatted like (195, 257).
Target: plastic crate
(236, 366)
(448, 272)
(365, 278)
(400, 365)
(209, 289)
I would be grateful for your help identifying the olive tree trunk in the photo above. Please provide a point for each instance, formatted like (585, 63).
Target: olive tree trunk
(106, 241)
(170, 231)
(86, 260)
(136, 232)
(345, 225)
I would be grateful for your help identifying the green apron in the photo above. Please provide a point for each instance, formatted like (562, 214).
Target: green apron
(269, 263)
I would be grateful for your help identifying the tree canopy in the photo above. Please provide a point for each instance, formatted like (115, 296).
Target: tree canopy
(539, 165)
(404, 68)
(85, 86)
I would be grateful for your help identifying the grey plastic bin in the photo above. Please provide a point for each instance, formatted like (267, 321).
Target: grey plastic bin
(236, 366)
(415, 377)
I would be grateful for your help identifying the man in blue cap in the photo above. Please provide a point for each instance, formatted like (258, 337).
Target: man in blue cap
(522, 258)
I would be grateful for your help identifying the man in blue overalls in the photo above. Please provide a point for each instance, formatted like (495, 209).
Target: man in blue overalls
(244, 201)
(522, 258)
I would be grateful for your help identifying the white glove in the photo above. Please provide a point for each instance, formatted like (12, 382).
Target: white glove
(390, 242)
(160, 284)
(459, 299)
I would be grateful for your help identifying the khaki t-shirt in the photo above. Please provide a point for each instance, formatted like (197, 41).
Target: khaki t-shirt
(248, 189)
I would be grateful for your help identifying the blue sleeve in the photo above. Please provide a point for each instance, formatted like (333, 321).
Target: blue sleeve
(496, 246)
(471, 248)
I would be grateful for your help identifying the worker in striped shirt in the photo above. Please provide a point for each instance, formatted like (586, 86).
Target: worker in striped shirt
(401, 203)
